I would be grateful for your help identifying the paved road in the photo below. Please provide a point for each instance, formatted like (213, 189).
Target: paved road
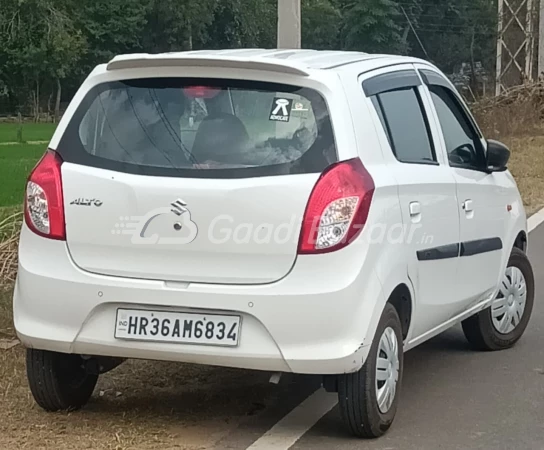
(454, 398)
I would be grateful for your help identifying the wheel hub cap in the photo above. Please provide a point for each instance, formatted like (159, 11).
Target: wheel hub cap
(508, 308)
(387, 370)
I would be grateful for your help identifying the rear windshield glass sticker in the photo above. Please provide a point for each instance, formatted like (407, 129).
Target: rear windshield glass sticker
(281, 109)
(299, 107)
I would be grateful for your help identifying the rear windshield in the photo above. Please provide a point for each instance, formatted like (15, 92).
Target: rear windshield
(201, 128)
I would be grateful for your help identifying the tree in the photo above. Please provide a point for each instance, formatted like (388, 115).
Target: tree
(176, 25)
(243, 23)
(372, 26)
(110, 27)
(49, 46)
(67, 47)
(40, 44)
(321, 24)
(455, 33)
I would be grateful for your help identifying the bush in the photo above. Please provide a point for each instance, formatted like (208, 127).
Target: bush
(9, 240)
(516, 113)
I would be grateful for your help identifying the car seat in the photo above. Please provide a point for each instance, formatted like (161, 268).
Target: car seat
(222, 138)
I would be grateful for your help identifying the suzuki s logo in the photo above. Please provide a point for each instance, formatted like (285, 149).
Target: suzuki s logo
(138, 226)
(179, 207)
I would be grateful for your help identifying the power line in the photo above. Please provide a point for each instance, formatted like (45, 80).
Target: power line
(450, 15)
(415, 32)
(448, 26)
(452, 27)
(430, 4)
(457, 33)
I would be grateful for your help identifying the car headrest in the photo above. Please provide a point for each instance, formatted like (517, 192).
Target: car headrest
(219, 138)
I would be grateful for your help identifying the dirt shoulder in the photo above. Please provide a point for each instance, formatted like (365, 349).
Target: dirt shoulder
(527, 166)
(141, 405)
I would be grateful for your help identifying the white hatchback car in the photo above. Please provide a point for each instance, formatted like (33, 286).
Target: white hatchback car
(287, 211)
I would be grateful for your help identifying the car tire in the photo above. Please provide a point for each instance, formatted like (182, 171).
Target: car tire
(358, 392)
(490, 330)
(58, 381)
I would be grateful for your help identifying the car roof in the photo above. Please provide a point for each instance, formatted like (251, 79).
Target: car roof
(297, 62)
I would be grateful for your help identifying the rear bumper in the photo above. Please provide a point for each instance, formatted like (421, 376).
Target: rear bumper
(313, 321)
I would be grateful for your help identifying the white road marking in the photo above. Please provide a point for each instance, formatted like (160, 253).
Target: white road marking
(535, 220)
(295, 424)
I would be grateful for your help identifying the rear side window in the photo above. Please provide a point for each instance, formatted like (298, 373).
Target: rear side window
(201, 128)
(405, 123)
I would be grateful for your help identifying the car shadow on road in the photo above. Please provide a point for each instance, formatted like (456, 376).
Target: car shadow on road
(425, 369)
(235, 406)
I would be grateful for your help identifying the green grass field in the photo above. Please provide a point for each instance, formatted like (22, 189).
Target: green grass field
(16, 162)
(31, 132)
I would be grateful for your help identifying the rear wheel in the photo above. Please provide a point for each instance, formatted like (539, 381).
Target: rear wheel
(368, 399)
(58, 381)
(502, 324)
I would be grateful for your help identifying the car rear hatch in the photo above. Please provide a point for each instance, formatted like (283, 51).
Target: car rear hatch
(192, 180)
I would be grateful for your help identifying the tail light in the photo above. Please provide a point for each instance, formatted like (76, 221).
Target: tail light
(201, 92)
(44, 204)
(338, 208)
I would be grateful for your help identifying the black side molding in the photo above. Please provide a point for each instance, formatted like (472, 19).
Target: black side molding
(472, 248)
(391, 82)
(469, 248)
(443, 252)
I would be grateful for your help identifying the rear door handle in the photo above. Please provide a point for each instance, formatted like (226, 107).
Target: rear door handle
(415, 209)
(467, 206)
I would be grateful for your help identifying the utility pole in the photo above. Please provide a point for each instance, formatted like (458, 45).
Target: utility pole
(515, 43)
(500, 44)
(541, 41)
(289, 24)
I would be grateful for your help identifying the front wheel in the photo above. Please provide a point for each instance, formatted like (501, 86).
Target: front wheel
(502, 324)
(368, 398)
(58, 381)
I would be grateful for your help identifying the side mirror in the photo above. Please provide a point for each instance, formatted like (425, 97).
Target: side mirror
(497, 156)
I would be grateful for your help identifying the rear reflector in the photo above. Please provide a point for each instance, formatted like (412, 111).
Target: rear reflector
(44, 205)
(338, 208)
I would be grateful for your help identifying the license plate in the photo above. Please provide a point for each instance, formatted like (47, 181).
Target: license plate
(181, 328)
